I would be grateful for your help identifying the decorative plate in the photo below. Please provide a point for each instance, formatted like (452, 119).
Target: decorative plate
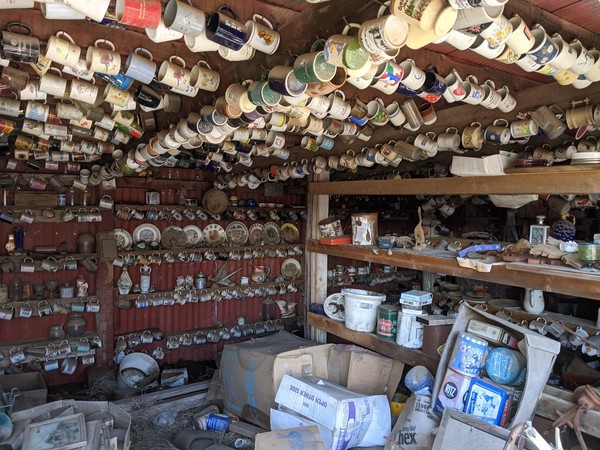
(146, 232)
(256, 234)
(214, 235)
(215, 201)
(237, 233)
(291, 269)
(290, 233)
(271, 233)
(174, 237)
(334, 307)
(194, 235)
(123, 239)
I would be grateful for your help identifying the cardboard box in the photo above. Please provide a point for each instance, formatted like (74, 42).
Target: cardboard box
(33, 391)
(364, 371)
(282, 419)
(290, 439)
(541, 354)
(354, 419)
(251, 371)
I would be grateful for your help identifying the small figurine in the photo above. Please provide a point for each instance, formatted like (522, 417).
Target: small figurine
(181, 194)
(82, 286)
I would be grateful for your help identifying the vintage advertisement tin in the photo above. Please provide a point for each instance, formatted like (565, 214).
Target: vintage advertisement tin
(387, 322)
(468, 356)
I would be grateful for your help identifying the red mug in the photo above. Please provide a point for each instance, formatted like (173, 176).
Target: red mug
(139, 13)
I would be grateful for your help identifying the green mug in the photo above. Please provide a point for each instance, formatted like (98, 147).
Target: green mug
(261, 94)
(313, 67)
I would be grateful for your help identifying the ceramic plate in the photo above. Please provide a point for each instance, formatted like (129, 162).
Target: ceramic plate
(194, 235)
(291, 269)
(215, 201)
(271, 233)
(334, 307)
(256, 234)
(214, 235)
(290, 233)
(146, 232)
(237, 233)
(174, 237)
(123, 239)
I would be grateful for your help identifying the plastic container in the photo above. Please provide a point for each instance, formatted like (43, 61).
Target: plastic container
(419, 380)
(361, 309)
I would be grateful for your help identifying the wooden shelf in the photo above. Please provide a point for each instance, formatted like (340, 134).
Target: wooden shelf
(372, 342)
(215, 250)
(584, 182)
(144, 207)
(568, 282)
(6, 347)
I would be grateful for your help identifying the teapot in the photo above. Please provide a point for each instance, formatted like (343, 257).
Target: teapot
(260, 274)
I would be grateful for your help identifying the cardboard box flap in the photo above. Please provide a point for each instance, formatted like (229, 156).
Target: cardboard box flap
(307, 438)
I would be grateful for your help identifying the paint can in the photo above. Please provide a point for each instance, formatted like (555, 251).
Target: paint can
(410, 331)
(331, 227)
(469, 354)
(361, 309)
(387, 322)
(419, 380)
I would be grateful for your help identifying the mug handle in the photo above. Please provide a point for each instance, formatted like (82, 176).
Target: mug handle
(66, 35)
(315, 45)
(230, 10)
(351, 152)
(144, 51)
(340, 93)
(382, 8)
(258, 17)
(204, 63)
(106, 42)
(472, 79)
(348, 26)
(430, 135)
(21, 25)
(455, 130)
(490, 83)
(178, 59)
(506, 123)
(476, 124)
(57, 70)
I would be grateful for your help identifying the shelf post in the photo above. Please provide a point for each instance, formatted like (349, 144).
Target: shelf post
(316, 279)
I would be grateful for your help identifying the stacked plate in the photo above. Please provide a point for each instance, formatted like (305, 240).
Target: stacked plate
(585, 158)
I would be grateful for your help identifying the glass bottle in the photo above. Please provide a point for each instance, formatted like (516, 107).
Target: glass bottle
(16, 291)
(268, 308)
(72, 196)
(86, 197)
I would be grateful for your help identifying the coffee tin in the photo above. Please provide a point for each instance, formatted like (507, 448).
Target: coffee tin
(387, 322)
(504, 366)
(469, 354)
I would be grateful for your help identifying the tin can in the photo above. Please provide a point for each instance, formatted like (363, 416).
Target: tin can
(364, 229)
(61, 199)
(387, 322)
(469, 354)
(505, 366)
(218, 422)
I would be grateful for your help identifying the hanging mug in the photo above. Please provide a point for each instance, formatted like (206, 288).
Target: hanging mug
(18, 46)
(174, 75)
(226, 30)
(262, 36)
(63, 51)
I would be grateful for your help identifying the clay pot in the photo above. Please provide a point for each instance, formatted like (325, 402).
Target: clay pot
(86, 243)
(75, 326)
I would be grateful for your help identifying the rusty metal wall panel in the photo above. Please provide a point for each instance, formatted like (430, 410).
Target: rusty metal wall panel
(585, 14)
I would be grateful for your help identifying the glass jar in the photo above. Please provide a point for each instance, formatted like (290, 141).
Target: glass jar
(16, 290)
(268, 308)
(72, 196)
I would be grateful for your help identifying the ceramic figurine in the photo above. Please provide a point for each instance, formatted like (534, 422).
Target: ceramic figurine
(124, 283)
(82, 286)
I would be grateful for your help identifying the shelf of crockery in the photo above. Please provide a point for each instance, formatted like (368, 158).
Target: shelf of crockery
(52, 214)
(170, 295)
(390, 349)
(288, 323)
(550, 279)
(253, 248)
(60, 256)
(33, 349)
(39, 307)
(193, 185)
(144, 207)
(521, 183)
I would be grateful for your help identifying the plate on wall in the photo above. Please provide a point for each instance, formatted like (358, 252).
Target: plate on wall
(334, 307)
(123, 239)
(193, 234)
(174, 237)
(146, 232)
(255, 234)
(291, 269)
(271, 234)
(290, 233)
(214, 235)
(237, 233)
(215, 201)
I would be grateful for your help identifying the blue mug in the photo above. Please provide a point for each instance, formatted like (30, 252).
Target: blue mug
(225, 30)
(434, 86)
(357, 121)
(407, 92)
(119, 80)
(283, 80)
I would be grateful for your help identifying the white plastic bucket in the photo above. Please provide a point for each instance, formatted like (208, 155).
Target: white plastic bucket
(361, 309)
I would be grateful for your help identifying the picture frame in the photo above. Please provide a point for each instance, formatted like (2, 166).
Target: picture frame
(60, 433)
(538, 234)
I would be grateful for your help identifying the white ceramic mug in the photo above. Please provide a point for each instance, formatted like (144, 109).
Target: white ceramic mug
(94, 9)
(508, 102)
(116, 96)
(243, 54)
(140, 65)
(200, 43)
(32, 91)
(174, 75)
(521, 39)
(474, 92)
(83, 91)
(103, 60)
(261, 35)
(184, 18)
(62, 51)
(162, 33)
(58, 10)
(455, 91)
(414, 77)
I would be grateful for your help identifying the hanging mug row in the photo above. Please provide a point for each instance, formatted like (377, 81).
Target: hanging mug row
(43, 308)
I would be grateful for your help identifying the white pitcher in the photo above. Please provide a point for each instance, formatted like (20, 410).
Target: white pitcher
(533, 302)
